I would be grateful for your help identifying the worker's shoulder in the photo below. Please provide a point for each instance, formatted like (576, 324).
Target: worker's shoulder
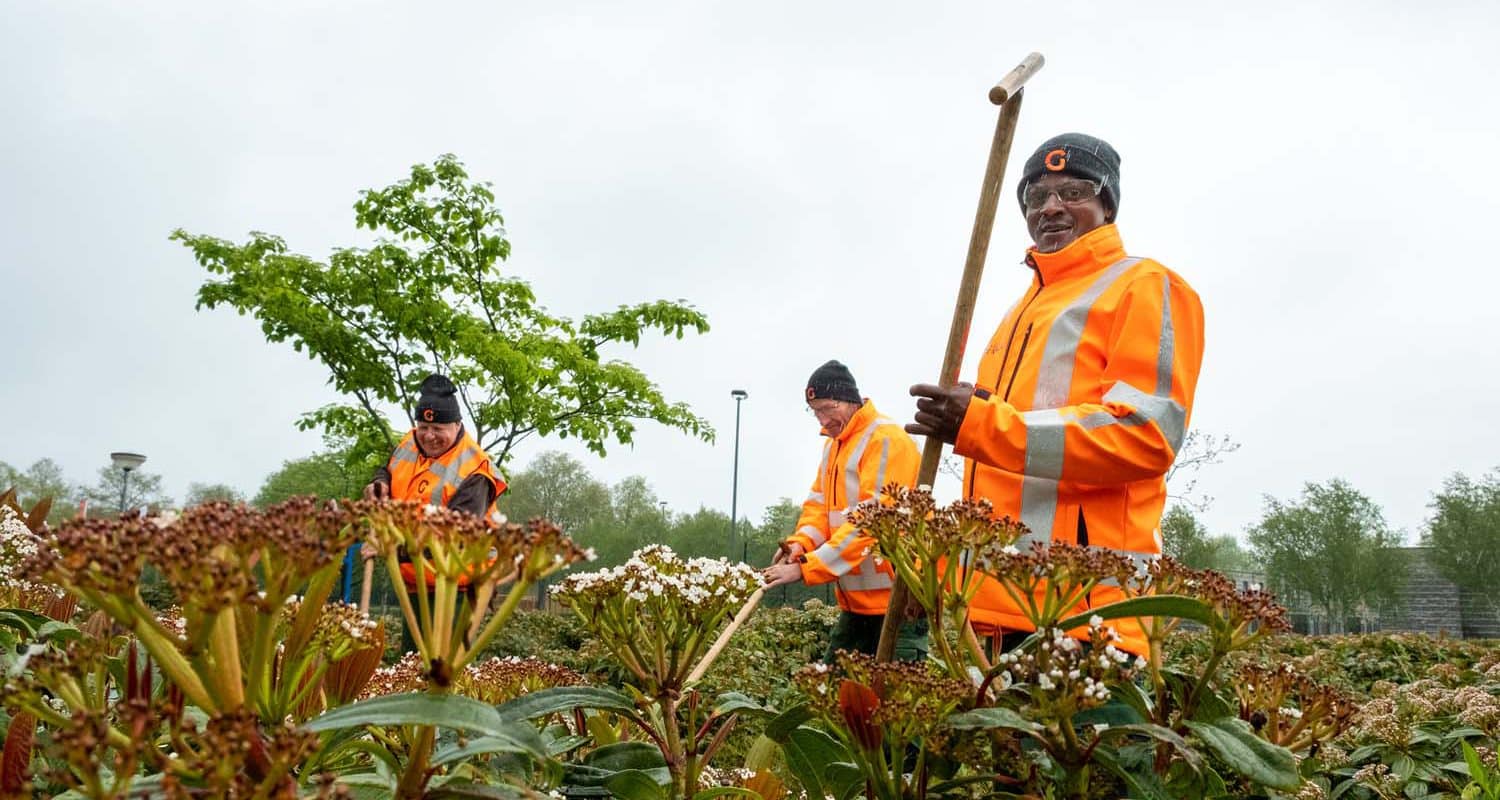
(887, 427)
(1149, 269)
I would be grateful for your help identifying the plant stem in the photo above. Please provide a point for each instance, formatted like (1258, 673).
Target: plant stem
(414, 779)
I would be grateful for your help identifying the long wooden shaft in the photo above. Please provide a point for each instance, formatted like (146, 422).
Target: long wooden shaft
(963, 315)
(366, 585)
(723, 640)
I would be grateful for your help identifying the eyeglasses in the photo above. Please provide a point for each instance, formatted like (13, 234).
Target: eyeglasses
(822, 410)
(1071, 193)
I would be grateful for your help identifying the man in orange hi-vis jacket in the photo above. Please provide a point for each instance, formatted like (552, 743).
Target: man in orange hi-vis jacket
(864, 452)
(1084, 393)
(437, 463)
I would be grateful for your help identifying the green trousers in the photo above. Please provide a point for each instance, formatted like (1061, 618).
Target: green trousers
(861, 632)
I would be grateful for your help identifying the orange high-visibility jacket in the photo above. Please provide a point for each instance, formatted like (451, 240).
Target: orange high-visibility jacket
(869, 453)
(414, 476)
(1081, 403)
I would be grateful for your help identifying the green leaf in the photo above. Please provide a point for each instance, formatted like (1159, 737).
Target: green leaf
(443, 710)
(735, 702)
(369, 785)
(22, 620)
(483, 745)
(621, 756)
(1142, 785)
(845, 779)
(1477, 772)
(993, 717)
(566, 744)
(1156, 605)
(479, 791)
(727, 791)
(1231, 739)
(559, 699)
(808, 751)
(634, 785)
(1190, 756)
(781, 726)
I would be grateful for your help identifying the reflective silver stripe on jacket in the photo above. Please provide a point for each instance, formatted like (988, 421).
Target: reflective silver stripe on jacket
(450, 475)
(813, 533)
(1045, 426)
(406, 452)
(833, 559)
(855, 582)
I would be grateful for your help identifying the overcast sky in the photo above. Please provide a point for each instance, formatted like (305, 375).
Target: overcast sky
(805, 173)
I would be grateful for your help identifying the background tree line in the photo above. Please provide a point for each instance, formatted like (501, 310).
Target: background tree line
(1328, 550)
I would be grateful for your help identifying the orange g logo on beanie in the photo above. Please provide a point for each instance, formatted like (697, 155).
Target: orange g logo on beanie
(428, 415)
(1079, 155)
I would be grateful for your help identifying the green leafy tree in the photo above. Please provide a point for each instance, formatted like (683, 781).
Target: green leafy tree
(338, 472)
(1186, 539)
(430, 295)
(199, 493)
(143, 491)
(1464, 534)
(557, 487)
(44, 478)
(1332, 547)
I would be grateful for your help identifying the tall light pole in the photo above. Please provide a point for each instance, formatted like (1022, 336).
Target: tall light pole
(126, 462)
(739, 396)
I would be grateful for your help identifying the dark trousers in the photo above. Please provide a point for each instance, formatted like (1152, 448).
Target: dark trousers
(861, 633)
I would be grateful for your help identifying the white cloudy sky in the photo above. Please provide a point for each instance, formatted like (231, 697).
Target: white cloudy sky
(1324, 174)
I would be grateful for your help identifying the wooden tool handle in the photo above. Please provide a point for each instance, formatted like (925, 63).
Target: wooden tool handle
(723, 640)
(366, 585)
(1016, 78)
(963, 309)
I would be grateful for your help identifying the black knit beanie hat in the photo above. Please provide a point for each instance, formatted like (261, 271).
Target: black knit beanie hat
(1080, 155)
(833, 381)
(439, 400)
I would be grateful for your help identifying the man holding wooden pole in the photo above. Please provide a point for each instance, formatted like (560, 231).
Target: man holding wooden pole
(864, 451)
(1085, 390)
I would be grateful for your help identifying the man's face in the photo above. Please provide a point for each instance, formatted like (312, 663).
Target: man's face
(436, 437)
(1061, 208)
(832, 415)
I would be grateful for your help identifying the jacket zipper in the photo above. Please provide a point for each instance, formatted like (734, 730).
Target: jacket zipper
(1004, 359)
(1020, 355)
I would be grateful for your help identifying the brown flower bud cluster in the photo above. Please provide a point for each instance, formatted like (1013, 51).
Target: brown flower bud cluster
(96, 555)
(208, 555)
(1061, 675)
(1064, 573)
(234, 757)
(909, 528)
(894, 701)
(498, 680)
(493, 681)
(454, 544)
(1380, 721)
(1246, 614)
(341, 629)
(1288, 708)
(408, 674)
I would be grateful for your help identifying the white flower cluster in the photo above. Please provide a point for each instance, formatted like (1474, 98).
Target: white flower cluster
(17, 543)
(1064, 664)
(656, 573)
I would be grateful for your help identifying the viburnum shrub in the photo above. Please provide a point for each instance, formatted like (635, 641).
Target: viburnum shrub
(1070, 713)
(658, 615)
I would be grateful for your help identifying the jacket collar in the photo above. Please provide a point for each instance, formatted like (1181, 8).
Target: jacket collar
(1089, 253)
(861, 419)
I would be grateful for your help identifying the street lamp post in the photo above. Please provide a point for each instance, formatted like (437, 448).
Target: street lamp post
(126, 462)
(739, 396)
